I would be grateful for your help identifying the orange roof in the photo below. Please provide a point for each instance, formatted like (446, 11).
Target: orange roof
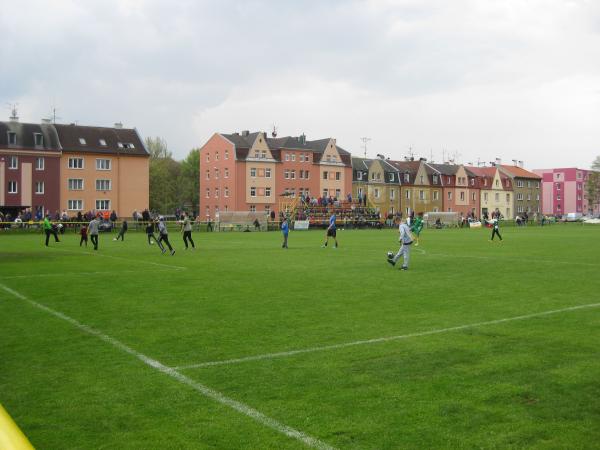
(517, 171)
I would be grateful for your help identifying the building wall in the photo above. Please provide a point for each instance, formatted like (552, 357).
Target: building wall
(219, 147)
(296, 161)
(129, 176)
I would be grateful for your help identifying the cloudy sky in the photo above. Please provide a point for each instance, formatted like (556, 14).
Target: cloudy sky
(465, 79)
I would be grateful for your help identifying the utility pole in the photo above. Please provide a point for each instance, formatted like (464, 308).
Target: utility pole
(364, 141)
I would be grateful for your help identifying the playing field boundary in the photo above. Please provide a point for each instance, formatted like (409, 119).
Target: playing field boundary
(75, 274)
(137, 261)
(382, 339)
(173, 373)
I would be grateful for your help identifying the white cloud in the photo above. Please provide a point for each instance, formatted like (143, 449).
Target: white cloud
(482, 78)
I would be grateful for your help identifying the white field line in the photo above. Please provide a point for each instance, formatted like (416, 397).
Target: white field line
(500, 257)
(137, 261)
(379, 340)
(173, 373)
(62, 274)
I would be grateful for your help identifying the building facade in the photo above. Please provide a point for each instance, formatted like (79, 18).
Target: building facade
(103, 169)
(252, 172)
(564, 191)
(526, 190)
(29, 168)
(496, 192)
(460, 188)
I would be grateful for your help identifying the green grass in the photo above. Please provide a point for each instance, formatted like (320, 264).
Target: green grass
(530, 383)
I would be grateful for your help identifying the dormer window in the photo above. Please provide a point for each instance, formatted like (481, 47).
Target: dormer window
(435, 179)
(359, 175)
(102, 142)
(12, 138)
(128, 145)
(38, 139)
(120, 144)
(406, 178)
(82, 141)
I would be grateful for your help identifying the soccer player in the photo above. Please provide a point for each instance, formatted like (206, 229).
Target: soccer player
(495, 228)
(186, 229)
(163, 235)
(331, 232)
(285, 229)
(122, 231)
(93, 229)
(406, 239)
(150, 234)
(84, 235)
(49, 230)
(416, 227)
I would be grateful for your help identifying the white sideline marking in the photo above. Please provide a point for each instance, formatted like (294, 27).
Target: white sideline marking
(62, 274)
(173, 373)
(378, 340)
(124, 259)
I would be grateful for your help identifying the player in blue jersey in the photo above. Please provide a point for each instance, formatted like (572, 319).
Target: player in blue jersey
(331, 231)
(285, 229)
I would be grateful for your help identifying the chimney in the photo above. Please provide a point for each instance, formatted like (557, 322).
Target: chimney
(515, 162)
(46, 121)
(118, 125)
(423, 159)
(302, 138)
(521, 164)
(245, 132)
(380, 156)
(498, 162)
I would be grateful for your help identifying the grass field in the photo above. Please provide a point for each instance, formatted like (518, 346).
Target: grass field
(242, 344)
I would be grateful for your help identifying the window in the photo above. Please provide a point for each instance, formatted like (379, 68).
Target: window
(102, 142)
(359, 175)
(75, 163)
(208, 157)
(421, 195)
(537, 197)
(267, 192)
(378, 175)
(435, 179)
(578, 175)
(293, 157)
(557, 196)
(462, 196)
(207, 193)
(472, 181)
(421, 179)
(408, 195)
(338, 193)
(579, 186)
(449, 195)
(216, 156)
(12, 187)
(263, 154)
(75, 205)
(226, 172)
(39, 187)
(120, 144)
(226, 154)
(406, 178)
(325, 193)
(102, 164)
(12, 138)
(226, 191)
(519, 196)
(82, 141)
(217, 192)
(497, 197)
(216, 174)
(39, 163)
(301, 174)
(392, 194)
(103, 185)
(325, 175)
(520, 183)
(306, 157)
(528, 183)
(293, 174)
(436, 195)
(252, 208)
(13, 162)
(75, 184)
(287, 156)
(473, 196)
(376, 193)
(507, 198)
(38, 139)
(497, 183)
(528, 197)
(286, 174)
(485, 197)
(253, 192)
(338, 176)
(253, 172)
(103, 205)
(207, 174)
(306, 175)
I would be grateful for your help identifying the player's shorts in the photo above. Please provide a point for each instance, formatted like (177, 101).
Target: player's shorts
(331, 232)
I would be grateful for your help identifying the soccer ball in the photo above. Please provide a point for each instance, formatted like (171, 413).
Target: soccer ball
(390, 255)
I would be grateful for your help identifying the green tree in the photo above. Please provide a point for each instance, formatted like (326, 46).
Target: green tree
(164, 174)
(592, 186)
(189, 182)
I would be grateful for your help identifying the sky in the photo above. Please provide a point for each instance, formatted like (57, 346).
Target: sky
(462, 80)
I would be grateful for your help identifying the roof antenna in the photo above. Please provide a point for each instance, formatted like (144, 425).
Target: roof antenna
(274, 131)
(364, 141)
(13, 111)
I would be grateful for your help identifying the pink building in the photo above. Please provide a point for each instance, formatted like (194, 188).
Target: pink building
(563, 191)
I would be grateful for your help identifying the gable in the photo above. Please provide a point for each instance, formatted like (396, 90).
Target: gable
(260, 148)
(421, 177)
(331, 154)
